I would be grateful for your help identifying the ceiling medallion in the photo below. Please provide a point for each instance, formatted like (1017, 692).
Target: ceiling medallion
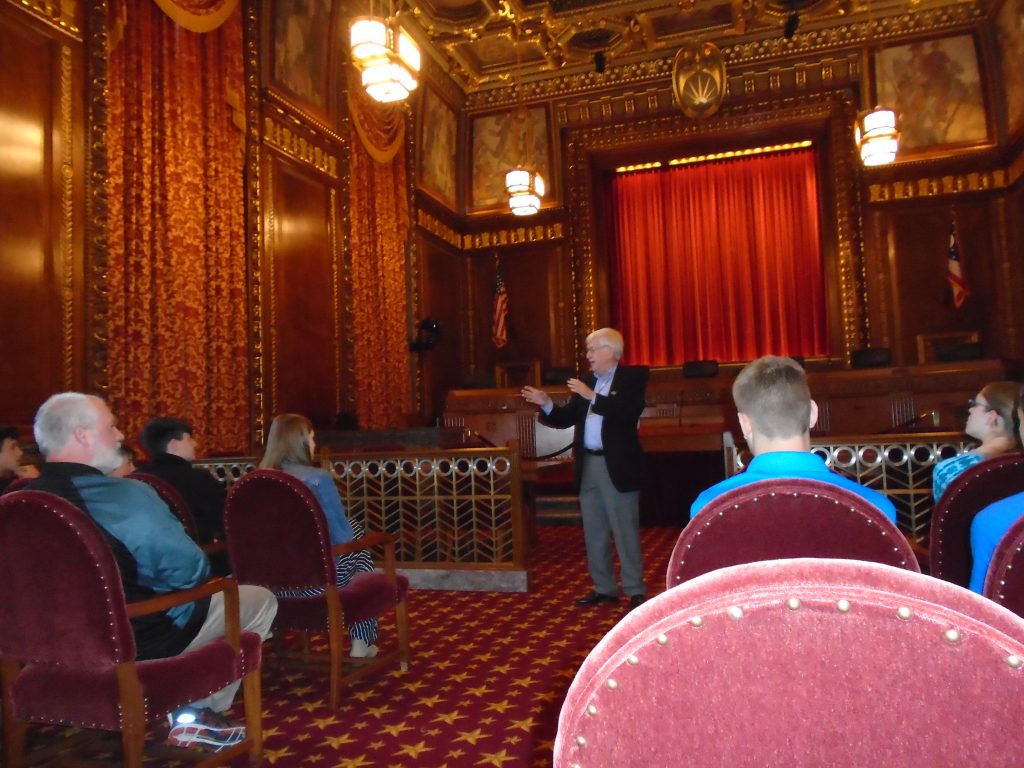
(698, 79)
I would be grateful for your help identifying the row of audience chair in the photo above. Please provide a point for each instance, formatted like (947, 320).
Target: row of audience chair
(797, 629)
(67, 652)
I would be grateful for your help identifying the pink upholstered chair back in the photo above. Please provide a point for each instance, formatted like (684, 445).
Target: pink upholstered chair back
(802, 662)
(968, 494)
(1004, 582)
(174, 501)
(269, 505)
(57, 573)
(774, 519)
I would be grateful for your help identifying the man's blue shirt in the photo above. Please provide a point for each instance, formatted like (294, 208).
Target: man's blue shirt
(987, 528)
(791, 464)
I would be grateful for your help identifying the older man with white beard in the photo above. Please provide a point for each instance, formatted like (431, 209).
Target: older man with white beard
(78, 436)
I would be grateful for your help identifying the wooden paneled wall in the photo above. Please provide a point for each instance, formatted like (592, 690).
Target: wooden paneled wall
(41, 209)
(302, 291)
(910, 247)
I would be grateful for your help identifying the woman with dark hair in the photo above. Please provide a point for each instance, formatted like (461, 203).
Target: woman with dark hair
(991, 418)
(291, 447)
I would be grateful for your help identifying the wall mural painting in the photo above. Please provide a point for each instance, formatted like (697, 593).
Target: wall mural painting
(1010, 37)
(437, 144)
(498, 145)
(301, 48)
(935, 87)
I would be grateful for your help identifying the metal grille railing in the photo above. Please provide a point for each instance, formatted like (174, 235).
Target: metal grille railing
(455, 507)
(445, 508)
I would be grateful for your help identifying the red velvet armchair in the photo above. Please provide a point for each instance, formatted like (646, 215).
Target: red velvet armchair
(67, 652)
(804, 662)
(977, 487)
(773, 519)
(1004, 582)
(278, 538)
(179, 507)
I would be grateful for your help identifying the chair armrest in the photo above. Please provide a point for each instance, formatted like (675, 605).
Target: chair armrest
(214, 547)
(163, 602)
(366, 542)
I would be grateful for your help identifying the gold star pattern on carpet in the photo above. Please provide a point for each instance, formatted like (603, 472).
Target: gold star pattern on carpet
(485, 682)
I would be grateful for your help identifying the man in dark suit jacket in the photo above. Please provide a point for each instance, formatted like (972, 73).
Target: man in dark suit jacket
(605, 409)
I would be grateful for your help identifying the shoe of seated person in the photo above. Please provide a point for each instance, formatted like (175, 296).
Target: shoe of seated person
(361, 650)
(203, 729)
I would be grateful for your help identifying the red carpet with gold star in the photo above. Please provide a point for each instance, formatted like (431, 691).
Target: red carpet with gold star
(485, 684)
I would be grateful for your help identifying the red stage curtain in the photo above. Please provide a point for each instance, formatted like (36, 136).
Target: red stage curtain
(720, 260)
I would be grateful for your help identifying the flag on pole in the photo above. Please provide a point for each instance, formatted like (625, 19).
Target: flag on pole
(954, 270)
(499, 324)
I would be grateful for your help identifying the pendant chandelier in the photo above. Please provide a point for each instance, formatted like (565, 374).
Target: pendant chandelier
(523, 184)
(876, 136)
(385, 55)
(875, 133)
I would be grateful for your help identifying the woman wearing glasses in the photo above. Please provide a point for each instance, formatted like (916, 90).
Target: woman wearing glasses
(990, 419)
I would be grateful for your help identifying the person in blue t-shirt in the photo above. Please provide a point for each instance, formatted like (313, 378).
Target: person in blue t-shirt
(991, 524)
(776, 414)
(990, 419)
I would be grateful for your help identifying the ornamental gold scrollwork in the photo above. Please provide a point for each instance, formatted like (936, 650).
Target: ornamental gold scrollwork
(698, 79)
(299, 147)
(60, 14)
(959, 184)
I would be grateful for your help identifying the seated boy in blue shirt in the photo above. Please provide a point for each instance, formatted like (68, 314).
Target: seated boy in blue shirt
(776, 414)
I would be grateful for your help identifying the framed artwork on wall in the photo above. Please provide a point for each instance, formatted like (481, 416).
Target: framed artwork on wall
(438, 131)
(1010, 43)
(498, 145)
(300, 68)
(935, 87)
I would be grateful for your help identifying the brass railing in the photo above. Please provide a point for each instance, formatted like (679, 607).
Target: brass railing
(446, 508)
(900, 466)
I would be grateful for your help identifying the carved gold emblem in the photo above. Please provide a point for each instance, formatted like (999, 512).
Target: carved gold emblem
(698, 79)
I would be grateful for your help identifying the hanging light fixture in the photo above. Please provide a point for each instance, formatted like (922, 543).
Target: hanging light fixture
(876, 136)
(523, 184)
(875, 133)
(385, 55)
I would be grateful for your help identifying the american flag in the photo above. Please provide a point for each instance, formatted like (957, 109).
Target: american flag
(954, 272)
(499, 325)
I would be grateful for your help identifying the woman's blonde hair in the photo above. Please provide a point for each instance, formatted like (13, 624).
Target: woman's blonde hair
(288, 440)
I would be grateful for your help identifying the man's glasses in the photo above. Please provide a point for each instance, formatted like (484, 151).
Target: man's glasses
(972, 402)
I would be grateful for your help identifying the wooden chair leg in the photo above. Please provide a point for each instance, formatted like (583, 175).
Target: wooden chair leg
(14, 730)
(133, 741)
(252, 696)
(133, 719)
(402, 623)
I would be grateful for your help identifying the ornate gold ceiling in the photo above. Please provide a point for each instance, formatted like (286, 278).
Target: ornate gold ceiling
(472, 40)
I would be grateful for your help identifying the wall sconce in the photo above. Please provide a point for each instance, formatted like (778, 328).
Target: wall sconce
(428, 331)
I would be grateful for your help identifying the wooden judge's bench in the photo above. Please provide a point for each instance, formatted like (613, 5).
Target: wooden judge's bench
(688, 424)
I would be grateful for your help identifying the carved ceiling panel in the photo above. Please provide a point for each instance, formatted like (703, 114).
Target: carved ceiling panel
(473, 40)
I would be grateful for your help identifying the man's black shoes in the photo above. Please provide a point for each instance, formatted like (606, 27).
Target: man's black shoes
(596, 597)
(635, 601)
